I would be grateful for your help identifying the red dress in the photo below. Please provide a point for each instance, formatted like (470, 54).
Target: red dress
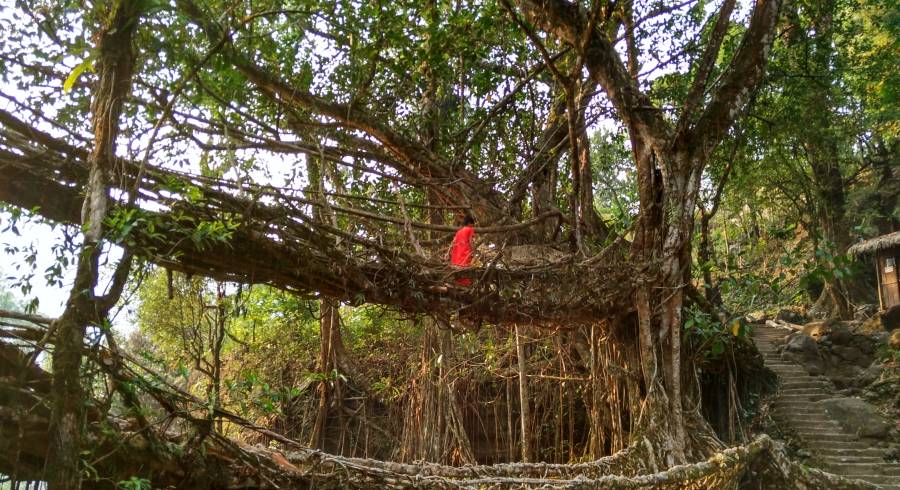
(461, 251)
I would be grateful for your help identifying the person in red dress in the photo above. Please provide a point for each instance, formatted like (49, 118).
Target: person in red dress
(461, 250)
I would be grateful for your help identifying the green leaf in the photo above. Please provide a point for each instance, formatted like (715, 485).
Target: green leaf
(87, 64)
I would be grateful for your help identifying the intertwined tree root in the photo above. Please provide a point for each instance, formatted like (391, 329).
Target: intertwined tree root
(181, 448)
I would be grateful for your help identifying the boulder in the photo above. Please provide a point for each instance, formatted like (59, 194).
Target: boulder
(890, 319)
(815, 368)
(866, 345)
(802, 343)
(840, 335)
(847, 353)
(871, 374)
(817, 330)
(857, 416)
(803, 350)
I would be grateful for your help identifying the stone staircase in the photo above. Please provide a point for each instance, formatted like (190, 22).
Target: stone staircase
(835, 449)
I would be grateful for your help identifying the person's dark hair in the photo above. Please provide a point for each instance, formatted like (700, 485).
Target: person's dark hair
(468, 220)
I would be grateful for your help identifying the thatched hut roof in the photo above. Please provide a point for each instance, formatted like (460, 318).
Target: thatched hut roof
(875, 244)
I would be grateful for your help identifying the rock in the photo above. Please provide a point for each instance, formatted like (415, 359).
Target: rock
(866, 346)
(815, 368)
(864, 312)
(840, 335)
(803, 344)
(894, 341)
(849, 354)
(890, 319)
(817, 330)
(842, 383)
(791, 316)
(803, 350)
(857, 416)
(882, 337)
(869, 376)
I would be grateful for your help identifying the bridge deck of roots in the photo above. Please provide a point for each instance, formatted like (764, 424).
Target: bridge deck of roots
(364, 249)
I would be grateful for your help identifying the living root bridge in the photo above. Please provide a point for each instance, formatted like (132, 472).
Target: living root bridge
(180, 449)
(272, 237)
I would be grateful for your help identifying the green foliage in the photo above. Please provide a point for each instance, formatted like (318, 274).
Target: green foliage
(710, 336)
(8, 300)
(615, 176)
(134, 483)
(87, 64)
(869, 39)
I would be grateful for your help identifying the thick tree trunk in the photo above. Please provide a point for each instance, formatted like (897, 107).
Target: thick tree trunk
(115, 66)
(331, 350)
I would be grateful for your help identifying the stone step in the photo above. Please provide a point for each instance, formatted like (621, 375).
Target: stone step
(806, 397)
(820, 447)
(787, 369)
(790, 405)
(803, 390)
(809, 425)
(791, 402)
(863, 450)
(804, 409)
(829, 460)
(892, 469)
(807, 380)
(803, 385)
(823, 425)
(806, 385)
(791, 418)
(799, 375)
(826, 436)
(862, 469)
(786, 375)
(881, 480)
(786, 410)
